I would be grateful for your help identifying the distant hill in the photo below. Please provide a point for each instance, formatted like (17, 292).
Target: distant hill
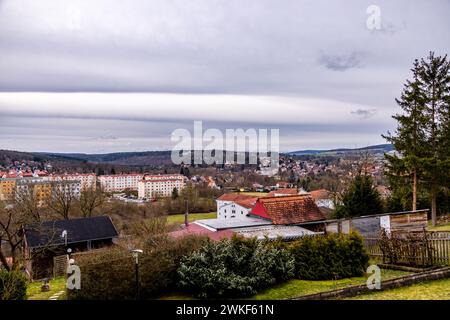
(145, 158)
(122, 158)
(380, 148)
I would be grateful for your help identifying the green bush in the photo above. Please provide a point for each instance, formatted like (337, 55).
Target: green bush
(234, 268)
(110, 274)
(13, 285)
(329, 257)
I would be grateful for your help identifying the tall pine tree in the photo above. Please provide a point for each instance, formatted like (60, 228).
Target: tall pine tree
(435, 77)
(423, 133)
(409, 138)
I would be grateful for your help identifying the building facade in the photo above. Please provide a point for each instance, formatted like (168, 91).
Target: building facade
(234, 206)
(152, 186)
(87, 180)
(7, 188)
(120, 182)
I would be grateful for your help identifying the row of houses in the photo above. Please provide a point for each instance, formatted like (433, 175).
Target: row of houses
(148, 186)
(290, 214)
(235, 205)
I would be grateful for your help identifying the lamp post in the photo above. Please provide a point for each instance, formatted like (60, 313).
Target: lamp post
(136, 253)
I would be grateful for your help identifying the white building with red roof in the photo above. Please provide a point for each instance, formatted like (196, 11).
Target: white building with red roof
(234, 205)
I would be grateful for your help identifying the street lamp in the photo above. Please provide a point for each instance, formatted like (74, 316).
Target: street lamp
(136, 253)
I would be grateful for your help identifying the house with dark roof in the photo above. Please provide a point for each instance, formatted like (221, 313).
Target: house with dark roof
(45, 242)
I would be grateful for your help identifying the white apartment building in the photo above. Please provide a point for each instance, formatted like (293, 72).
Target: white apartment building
(87, 180)
(120, 182)
(159, 185)
(70, 188)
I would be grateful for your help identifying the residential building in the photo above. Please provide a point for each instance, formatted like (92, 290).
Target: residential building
(120, 182)
(42, 189)
(323, 198)
(234, 205)
(87, 180)
(7, 188)
(161, 185)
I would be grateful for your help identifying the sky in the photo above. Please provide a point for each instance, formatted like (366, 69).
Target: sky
(98, 76)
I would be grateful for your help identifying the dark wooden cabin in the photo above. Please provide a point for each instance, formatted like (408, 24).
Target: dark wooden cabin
(44, 243)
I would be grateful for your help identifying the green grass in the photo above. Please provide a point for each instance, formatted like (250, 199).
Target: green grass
(179, 218)
(296, 288)
(442, 227)
(56, 285)
(427, 290)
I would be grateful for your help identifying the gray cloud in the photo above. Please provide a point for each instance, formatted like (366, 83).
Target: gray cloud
(364, 113)
(342, 62)
(220, 57)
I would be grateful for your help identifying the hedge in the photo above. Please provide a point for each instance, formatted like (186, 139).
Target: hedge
(13, 285)
(329, 257)
(110, 274)
(234, 268)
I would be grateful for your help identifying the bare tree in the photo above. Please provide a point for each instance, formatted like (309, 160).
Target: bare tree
(90, 199)
(26, 201)
(12, 219)
(62, 199)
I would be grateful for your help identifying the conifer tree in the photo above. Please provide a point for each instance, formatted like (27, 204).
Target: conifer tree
(409, 137)
(435, 77)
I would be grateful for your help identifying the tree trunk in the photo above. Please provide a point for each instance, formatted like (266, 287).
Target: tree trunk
(414, 190)
(4, 262)
(433, 204)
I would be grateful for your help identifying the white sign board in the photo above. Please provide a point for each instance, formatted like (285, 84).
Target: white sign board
(385, 223)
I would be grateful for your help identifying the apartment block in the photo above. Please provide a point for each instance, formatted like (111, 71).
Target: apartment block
(120, 182)
(159, 185)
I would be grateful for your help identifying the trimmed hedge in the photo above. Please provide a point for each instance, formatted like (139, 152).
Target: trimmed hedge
(13, 285)
(110, 274)
(329, 257)
(234, 268)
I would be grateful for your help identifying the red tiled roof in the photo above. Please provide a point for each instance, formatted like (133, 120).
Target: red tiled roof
(247, 203)
(320, 194)
(195, 229)
(288, 191)
(235, 197)
(288, 210)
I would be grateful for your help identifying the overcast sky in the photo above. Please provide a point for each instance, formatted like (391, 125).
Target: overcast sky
(102, 75)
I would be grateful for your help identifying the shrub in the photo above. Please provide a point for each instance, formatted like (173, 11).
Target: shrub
(329, 257)
(110, 274)
(234, 268)
(13, 285)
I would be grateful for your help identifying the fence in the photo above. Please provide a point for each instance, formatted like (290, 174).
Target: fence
(433, 249)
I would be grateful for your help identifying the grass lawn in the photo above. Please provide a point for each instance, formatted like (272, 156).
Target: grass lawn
(442, 227)
(179, 218)
(427, 290)
(295, 288)
(56, 285)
